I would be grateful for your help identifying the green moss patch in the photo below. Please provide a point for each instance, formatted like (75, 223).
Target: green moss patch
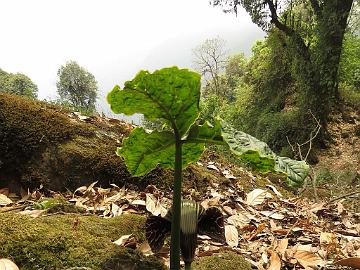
(63, 241)
(42, 144)
(222, 261)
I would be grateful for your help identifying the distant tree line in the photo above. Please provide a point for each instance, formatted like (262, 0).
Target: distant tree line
(76, 87)
(17, 84)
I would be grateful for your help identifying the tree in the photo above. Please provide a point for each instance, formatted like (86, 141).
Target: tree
(77, 86)
(210, 60)
(318, 57)
(17, 84)
(235, 69)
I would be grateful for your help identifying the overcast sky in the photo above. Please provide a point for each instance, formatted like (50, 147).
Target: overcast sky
(112, 39)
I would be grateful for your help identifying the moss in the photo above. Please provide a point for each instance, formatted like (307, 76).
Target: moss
(53, 242)
(131, 259)
(41, 144)
(27, 126)
(222, 261)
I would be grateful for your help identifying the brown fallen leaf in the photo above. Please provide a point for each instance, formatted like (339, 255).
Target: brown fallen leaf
(308, 258)
(351, 262)
(328, 238)
(122, 240)
(256, 197)
(6, 264)
(282, 246)
(275, 262)
(145, 249)
(210, 202)
(138, 202)
(272, 214)
(33, 213)
(228, 210)
(259, 230)
(231, 235)
(116, 210)
(4, 200)
(238, 220)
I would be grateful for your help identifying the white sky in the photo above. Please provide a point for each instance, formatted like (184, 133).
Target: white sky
(112, 39)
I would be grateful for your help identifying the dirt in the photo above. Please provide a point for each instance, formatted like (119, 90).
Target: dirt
(337, 172)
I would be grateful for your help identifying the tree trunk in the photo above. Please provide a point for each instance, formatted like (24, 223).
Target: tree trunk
(323, 90)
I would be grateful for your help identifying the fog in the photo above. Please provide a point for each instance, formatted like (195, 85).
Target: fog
(112, 39)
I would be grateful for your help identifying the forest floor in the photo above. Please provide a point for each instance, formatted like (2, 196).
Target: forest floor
(266, 223)
(337, 173)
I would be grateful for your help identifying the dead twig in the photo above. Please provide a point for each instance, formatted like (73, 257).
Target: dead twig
(343, 196)
(313, 134)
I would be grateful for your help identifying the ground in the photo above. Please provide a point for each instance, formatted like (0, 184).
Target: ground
(52, 151)
(337, 172)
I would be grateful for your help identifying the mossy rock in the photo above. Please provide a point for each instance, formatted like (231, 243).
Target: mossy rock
(54, 242)
(222, 261)
(40, 144)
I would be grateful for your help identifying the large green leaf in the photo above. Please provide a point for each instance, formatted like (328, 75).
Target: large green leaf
(170, 93)
(257, 153)
(295, 170)
(261, 157)
(143, 151)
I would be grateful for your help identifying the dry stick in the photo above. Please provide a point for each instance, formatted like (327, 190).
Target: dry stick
(315, 131)
(291, 228)
(313, 181)
(342, 196)
(10, 209)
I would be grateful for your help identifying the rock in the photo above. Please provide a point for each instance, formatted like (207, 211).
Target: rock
(40, 144)
(52, 242)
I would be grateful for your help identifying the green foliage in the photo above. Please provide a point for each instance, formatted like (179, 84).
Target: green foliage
(210, 107)
(350, 62)
(172, 95)
(267, 102)
(310, 38)
(235, 69)
(17, 84)
(143, 151)
(77, 87)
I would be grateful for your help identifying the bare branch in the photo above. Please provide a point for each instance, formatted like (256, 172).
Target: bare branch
(210, 60)
(343, 196)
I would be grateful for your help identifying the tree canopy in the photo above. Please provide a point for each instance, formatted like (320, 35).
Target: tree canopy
(314, 32)
(77, 87)
(17, 84)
